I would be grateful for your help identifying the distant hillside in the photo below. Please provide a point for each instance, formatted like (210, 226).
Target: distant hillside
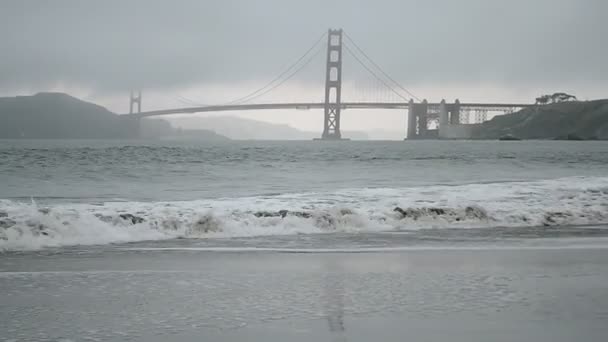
(55, 115)
(247, 129)
(587, 120)
(162, 129)
(60, 116)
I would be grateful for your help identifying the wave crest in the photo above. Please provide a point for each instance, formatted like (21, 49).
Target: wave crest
(581, 201)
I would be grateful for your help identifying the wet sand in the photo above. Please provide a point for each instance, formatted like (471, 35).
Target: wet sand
(122, 293)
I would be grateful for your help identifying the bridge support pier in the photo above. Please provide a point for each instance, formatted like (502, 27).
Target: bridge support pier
(455, 113)
(422, 119)
(417, 120)
(444, 114)
(450, 126)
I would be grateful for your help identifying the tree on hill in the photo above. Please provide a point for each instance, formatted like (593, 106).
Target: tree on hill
(555, 98)
(561, 97)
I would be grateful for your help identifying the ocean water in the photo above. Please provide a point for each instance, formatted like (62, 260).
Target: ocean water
(68, 193)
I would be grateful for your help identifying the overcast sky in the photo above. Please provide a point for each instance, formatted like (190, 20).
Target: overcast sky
(212, 51)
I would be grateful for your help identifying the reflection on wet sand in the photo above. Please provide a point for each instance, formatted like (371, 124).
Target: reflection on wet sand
(334, 304)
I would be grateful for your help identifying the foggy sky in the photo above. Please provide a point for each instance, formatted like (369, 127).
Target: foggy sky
(114, 45)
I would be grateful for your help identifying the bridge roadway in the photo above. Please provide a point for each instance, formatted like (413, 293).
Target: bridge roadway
(318, 105)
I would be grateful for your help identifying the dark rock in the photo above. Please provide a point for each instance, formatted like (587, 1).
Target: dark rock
(344, 212)
(130, 217)
(475, 212)
(409, 213)
(3, 214)
(282, 214)
(325, 221)
(44, 211)
(206, 224)
(104, 218)
(416, 213)
(7, 223)
(553, 218)
(322, 220)
(400, 211)
(301, 214)
(266, 214)
(436, 211)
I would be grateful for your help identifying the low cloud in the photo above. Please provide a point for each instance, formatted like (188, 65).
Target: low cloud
(112, 45)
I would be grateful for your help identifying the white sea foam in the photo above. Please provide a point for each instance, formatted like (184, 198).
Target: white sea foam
(565, 201)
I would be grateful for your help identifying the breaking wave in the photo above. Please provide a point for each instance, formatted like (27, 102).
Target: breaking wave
(567, 201)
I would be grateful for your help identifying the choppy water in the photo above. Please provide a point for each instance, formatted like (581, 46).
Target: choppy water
(59, 193)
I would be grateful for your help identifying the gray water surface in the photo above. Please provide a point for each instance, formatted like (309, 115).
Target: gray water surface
(152, 171)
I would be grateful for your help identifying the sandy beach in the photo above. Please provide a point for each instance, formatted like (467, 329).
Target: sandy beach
(173, 291)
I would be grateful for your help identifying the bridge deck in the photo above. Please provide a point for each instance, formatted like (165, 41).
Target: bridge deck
(317, 105)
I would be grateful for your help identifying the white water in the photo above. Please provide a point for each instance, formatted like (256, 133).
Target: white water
(564, 201)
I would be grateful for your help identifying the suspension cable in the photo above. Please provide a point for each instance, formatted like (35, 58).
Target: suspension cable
(373, 73)
(306, 63)
(254, 94)
(378, 67)
(188, 101)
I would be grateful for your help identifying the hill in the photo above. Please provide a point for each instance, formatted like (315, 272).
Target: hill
(576, 119)
(56, 115)
(246, 129)
(60, 116)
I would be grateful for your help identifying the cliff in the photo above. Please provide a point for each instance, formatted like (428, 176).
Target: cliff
(565, 120)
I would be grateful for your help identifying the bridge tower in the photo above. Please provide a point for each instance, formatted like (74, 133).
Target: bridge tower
(333, 86)
(133, 123)
(135, 99)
